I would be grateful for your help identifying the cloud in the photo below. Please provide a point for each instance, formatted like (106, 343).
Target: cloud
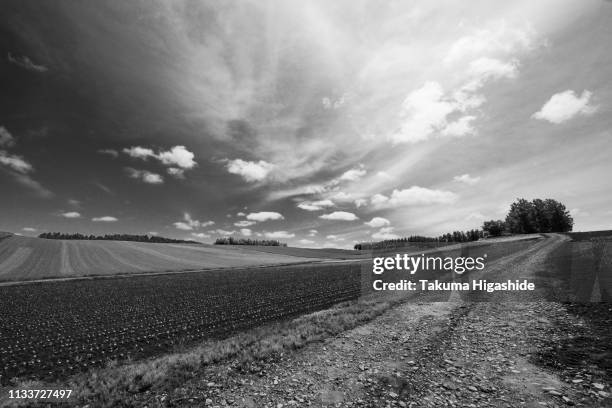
(176, 172)
(353, 174)
(106, 218)
(110, 152)
(6, 139)
(200, 235)
(15, 162)
(178, 156)
(342, 197)
(378, 222)
(340, 216)
(577, 212)
(335, 237)
(35, 186)
(154, 233)
(361, 202)
(250, 171)
(189, 223)
(265, 216)
(145, 176)
(385, 233)
(306, 241)
(491, 68)
(312, 232)
(476, 216)
(278, 235)
(71, 214)
(26, 63)
(423, 112)
(74, 203)
(240, 214)
(460, 127)
(414, 195)
(467, 179)
(315, 205)
(565, 105)
(222, 232)
(139, 152)
(244, 223)
(29, 229)
(246, 232)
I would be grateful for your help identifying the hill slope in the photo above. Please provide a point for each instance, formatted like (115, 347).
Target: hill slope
(24, 258)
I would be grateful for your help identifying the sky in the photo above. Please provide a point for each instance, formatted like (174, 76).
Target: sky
(316, 123)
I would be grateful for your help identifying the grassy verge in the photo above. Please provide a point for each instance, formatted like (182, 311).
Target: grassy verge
(116, 385)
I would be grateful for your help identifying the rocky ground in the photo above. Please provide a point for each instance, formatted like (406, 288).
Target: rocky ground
(460, 353)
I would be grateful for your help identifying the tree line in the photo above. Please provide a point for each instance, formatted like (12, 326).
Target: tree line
(115, 237)
(248, 241)
(529, 217)
(455, 236)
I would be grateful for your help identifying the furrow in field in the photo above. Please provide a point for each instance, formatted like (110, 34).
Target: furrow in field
(16, 259)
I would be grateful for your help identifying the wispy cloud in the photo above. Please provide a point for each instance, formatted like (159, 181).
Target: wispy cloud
(71, 214)
(26, 63)
(467, 179)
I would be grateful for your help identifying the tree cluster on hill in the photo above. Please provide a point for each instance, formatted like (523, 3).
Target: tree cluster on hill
(455, 236)
(528, 217)
(247, 241)
(115, 237)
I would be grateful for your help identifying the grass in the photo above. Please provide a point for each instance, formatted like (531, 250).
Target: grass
(117, 384)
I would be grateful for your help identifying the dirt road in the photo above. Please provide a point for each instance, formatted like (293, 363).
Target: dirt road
(484, 350)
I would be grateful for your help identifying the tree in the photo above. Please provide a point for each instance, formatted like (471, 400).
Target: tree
(526, 217)
(494, 227)
(521, 217)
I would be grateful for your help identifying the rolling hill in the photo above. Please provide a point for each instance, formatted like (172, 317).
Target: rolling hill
(25, 258)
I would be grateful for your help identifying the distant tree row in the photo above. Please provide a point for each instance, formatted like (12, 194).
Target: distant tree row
(115, 237)
(528, 217)
(247, 241)
(455, 236)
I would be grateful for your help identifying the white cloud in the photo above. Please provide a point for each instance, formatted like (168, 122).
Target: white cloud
(335, 238)
(414, 195)
(265, 216)
(360, 202)
(6, 139)
(244, 223)
(139, 152)
(491, 68)
(460, 127)
(15, 162)
(476, 216)
(385, 233)
(106, 218)
(378, 222)
(342, 197)
(467, 179)
(565, 105)
(240, 214)
(246, 232)
(306, 241)
(189, 223)
(278, 235)
(71, 214)
(110, 152)
(250, 171)
(176, 172)
(496, 40)
(223, 232)
(312, 232)
(340, 216)
(353, 174)
(178, 156)
(200, 235)
(29, 229)
(422, 113)
(384, 175)
(154, 233)
(145, 176)
(315, 205)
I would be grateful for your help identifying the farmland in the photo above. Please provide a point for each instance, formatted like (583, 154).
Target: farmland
(24, 258)
(53, 329)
